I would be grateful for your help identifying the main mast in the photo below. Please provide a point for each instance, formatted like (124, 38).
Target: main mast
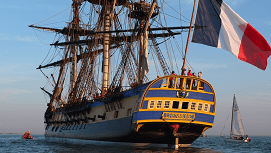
(74, 37)
(107, 25)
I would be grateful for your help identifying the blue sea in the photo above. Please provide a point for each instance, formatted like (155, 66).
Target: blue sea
(211, 144)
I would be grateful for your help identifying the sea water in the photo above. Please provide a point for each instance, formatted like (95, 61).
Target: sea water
(211, 144)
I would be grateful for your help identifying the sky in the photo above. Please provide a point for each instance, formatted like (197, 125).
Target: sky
(22, 103)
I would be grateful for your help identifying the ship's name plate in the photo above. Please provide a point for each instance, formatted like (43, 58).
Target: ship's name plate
(178, 116)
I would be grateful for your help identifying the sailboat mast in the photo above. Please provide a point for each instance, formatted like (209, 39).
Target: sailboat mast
(74, 37)
(188, 37)
(232, 114)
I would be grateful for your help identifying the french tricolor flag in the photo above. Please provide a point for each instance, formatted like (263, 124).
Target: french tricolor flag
(219, 26)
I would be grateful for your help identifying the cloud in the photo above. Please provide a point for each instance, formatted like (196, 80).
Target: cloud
(8, 94)
(18, 38)
(26, 39)
(7, 80)
(11, 73)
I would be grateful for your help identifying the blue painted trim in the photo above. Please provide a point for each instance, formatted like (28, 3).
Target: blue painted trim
(127, 94)
(212, 108)
(157, 84)
(200, 96)
(145, 105)
(161, 93)
(207, 88)
(172, 93)
(154, 115)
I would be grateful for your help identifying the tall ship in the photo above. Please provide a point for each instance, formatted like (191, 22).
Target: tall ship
(117, 73)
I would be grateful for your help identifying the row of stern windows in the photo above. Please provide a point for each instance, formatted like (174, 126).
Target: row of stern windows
(167, 104)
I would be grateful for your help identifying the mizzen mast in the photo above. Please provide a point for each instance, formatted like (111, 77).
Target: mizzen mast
(188, 37)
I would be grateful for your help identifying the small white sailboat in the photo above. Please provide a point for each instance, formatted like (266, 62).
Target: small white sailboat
(237, 133)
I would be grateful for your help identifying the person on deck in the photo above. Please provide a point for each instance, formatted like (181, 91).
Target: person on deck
(171, 80)
(201, 83)
(183, 71)
(200, 74)
(188, 82)
(189, 73)
(194, 81)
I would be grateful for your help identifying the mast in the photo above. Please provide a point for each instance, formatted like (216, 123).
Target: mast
(107, 23)
(74, 37)
(143, 51)
(188, 37)
(232, 114)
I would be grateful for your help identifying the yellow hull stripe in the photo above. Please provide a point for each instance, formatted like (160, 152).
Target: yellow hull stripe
(174, 121)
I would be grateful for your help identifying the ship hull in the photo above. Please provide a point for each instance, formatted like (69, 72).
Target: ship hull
(151, 113)
(122, 130)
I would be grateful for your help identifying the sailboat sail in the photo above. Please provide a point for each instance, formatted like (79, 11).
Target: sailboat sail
(236, 125)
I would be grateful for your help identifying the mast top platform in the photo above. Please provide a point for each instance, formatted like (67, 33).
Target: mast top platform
(141, 10)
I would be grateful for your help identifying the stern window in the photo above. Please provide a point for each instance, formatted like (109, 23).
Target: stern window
(193, 106)
(152, 104)
(159, 104)
(167, 104)
(200, 107)
(185, 105)
(206, 106)
(175, 105)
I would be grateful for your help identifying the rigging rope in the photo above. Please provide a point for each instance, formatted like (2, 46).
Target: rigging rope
(225, 124)
(52, 16)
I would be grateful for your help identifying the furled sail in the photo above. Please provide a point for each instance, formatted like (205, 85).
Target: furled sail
(145, 62)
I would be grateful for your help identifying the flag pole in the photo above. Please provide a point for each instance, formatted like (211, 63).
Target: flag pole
(188, 38)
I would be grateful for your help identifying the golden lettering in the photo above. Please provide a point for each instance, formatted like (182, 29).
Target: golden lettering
(180, 116)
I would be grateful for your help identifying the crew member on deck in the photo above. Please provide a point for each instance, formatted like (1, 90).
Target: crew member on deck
(201, 83)
(171, 80)
(188, 82)
(200, 74)
(194, 81)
